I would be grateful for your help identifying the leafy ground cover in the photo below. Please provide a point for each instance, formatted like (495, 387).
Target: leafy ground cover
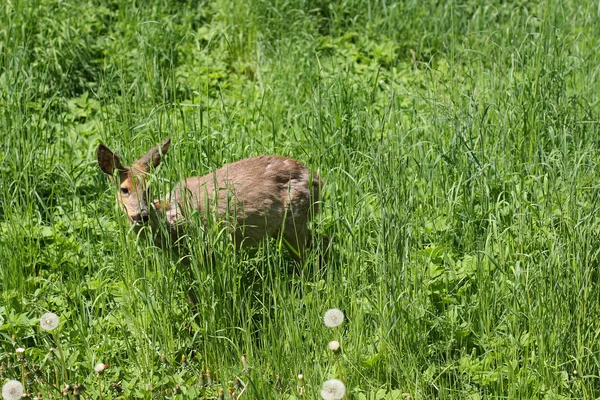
(458, 143)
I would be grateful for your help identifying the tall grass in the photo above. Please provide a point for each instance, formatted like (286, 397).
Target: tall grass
(458, 143)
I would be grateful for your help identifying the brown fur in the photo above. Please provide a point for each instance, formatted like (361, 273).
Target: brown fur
(264, 196)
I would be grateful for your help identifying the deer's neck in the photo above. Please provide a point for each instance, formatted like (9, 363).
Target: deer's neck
(161, 207)
(165, 211)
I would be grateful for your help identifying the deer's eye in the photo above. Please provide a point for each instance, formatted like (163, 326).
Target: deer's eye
(124, 190)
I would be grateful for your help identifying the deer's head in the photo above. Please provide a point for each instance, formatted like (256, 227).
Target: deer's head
(132, 183)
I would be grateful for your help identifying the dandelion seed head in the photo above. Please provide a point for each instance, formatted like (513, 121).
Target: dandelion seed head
(12, 390)
(334, 346)
(333, 389)
(333, 317)
(20, 351)
(49, 321)
(99, 368)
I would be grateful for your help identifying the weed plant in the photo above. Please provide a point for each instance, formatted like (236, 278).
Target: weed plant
(458, 143)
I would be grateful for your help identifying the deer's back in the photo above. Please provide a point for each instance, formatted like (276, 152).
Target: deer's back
(259, 192)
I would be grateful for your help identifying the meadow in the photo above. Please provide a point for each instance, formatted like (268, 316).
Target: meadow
(458, 143)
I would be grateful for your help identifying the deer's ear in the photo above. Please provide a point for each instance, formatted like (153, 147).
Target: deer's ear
(154, 156)
(108, 161)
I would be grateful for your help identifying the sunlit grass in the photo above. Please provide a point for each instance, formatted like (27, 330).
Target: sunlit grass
(458, 144)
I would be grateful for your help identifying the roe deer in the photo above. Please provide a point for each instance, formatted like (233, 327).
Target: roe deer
(265, 196)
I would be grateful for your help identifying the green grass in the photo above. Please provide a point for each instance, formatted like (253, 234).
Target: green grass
(459, 146)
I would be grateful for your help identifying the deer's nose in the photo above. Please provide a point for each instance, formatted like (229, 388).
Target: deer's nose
(141, 218)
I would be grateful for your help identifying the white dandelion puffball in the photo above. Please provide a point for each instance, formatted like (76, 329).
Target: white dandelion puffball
(333, 318)
(334, 346)
(333, 389)
(12, 390)
(99, 368)
(49, 321)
